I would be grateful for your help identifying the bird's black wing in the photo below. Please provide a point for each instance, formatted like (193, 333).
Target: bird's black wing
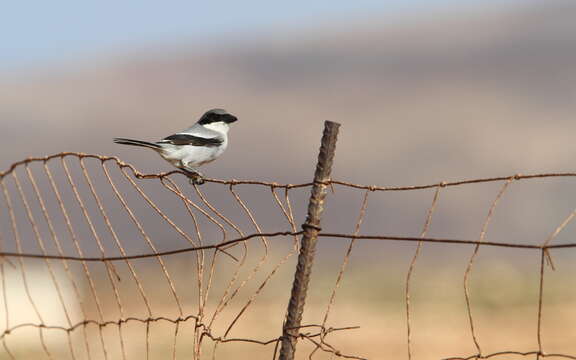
(185, 139)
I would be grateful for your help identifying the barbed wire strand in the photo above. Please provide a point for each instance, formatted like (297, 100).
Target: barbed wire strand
(427, 224)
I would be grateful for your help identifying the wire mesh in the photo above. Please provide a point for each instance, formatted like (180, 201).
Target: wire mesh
(101, 261)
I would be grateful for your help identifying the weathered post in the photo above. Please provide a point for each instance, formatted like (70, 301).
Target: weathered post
(308, 243)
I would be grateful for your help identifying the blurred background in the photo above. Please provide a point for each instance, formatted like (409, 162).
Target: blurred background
(425, 90)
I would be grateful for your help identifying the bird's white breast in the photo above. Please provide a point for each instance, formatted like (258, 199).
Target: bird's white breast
(190, 156)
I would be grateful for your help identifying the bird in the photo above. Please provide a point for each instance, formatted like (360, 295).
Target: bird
(195, 146)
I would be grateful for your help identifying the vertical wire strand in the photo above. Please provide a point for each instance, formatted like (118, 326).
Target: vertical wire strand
(17, 238)
(151, 244)
(86, 217)
(258, 265)
(118, 243)
(200, 256)
(340, 276)
(215, 253)
(413, 264)
(75, 286)
(4, 298)
(56, 241)
(471, 263)
(226, 295)
(40, 243)
(198, 331)
(110, 265)
(540, 301)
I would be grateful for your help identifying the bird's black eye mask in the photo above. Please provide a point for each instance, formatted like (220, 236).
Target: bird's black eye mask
(210, 118)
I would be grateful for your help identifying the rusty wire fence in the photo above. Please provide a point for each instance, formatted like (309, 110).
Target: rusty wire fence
(100, 261)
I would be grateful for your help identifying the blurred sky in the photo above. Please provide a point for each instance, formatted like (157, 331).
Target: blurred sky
(36, 33)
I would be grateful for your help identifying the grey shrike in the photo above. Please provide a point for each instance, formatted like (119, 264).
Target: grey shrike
(201, 143)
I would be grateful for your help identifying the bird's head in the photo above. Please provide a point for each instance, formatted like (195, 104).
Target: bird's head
(217, 119)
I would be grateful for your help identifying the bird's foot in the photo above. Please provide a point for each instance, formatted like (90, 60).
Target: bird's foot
(197, 181)
(196, 177)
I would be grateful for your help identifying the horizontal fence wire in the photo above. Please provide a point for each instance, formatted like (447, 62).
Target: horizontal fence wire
(83, 215)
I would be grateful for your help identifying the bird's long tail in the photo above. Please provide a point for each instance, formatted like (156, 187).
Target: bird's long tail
(147, 144)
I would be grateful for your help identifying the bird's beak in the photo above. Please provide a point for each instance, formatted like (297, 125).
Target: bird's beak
(230, 119)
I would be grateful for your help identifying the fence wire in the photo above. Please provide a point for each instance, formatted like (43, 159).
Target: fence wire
(102, 232)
